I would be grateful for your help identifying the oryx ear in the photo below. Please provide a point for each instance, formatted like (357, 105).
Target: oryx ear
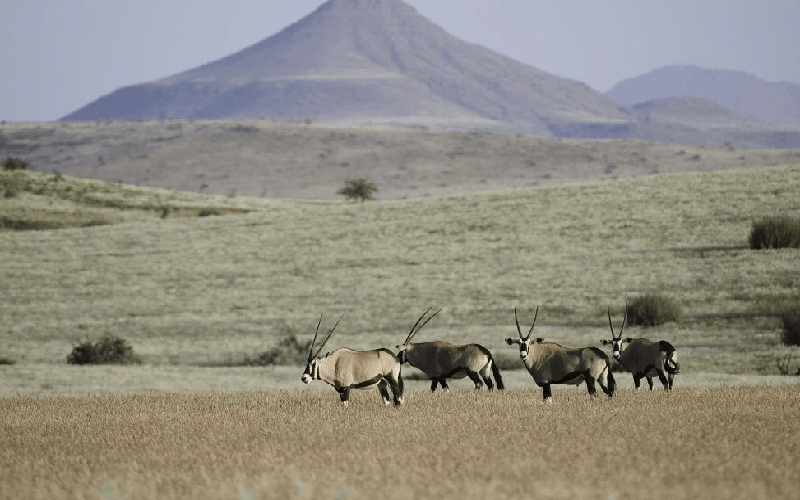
(605, 341)
(629, 339)
(539, 340)
(510, 341)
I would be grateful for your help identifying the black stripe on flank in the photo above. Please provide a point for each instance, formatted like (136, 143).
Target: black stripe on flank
(567, 377)
(373, 380)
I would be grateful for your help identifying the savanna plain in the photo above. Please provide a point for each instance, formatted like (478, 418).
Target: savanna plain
(195, 296)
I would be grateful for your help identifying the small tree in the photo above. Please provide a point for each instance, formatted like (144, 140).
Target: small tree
(775, 232)
(358, 189)
(109, 349)
(15, 164)
(653, 310)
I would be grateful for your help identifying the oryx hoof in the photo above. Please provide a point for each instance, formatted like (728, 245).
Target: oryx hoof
(548, 399)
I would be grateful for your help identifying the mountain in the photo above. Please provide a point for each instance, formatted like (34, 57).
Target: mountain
(739, 91)
(370, 61)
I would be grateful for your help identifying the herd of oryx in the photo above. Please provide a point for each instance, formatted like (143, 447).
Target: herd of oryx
(547, 362)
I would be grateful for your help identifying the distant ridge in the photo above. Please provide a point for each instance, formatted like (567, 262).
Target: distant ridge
(369, 61)
(739, 91)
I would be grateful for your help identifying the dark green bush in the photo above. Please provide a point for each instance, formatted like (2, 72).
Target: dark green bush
(108, 350)
(289, 351)
(791, 328)
(775, 232)
(15, 164)
(653, 310)
(358, 189)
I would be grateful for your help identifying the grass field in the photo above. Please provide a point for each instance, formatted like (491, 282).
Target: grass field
(691, 443)
(211, 290)
(196, 295)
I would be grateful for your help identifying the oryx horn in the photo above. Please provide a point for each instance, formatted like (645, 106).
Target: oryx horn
(330, 332)
(414, 328)
(519, 332)
(622, 327)
(311, 350)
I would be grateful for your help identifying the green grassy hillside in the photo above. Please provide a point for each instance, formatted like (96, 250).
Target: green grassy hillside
(188, 290)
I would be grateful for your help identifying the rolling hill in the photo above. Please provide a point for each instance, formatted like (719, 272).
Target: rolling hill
(739, 91)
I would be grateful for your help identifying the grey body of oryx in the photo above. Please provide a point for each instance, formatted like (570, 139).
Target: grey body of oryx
(347, 369)
(644, 358)
(550, 363)
(443, 360)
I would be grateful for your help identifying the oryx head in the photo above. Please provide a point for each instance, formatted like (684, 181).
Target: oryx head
(616, 340)
(312, 366)
(526, 341)
(414, 329)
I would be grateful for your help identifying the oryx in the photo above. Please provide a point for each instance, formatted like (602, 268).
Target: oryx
(642, 357)
(346, 369)
(443, 360)
(549, 363)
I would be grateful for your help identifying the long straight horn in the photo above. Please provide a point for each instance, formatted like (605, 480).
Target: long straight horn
(329, 335)
(516, 320)
(536, 315)
(622, 327)
(414, 328)
(311, 351)
(610, 325)
(426, 321)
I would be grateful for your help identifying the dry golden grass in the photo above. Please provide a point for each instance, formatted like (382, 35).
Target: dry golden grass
(691, 443)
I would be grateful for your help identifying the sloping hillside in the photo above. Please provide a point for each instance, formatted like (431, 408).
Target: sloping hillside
(312, 161)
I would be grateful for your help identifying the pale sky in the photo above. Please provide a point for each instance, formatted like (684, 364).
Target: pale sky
(59, 55)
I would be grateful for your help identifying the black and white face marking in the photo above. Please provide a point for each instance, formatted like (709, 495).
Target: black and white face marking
(616, 349)
(310, 373)
(524, 346)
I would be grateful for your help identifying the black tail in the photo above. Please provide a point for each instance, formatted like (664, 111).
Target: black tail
(496, 374)
(612, 382)
(671, 366)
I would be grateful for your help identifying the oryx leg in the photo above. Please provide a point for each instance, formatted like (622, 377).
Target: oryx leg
(383, 389)
(476, 379)
(396, 385)
(670, 379)
(486, 376)
(637, 380)
(590, 385)
(547, 393)
(649, 381)
(663, 380)
(443, 382)
(344, 395)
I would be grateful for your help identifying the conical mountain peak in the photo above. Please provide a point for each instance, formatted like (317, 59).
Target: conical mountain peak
(367, 60)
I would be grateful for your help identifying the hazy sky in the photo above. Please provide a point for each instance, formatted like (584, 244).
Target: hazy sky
(59, 55)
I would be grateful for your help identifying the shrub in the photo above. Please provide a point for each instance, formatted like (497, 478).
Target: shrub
(109, 349)
(289, 351)
(358, 189)
(4, 360)
(653, 310)
(15, 164)
(791, 328)
(775, 232)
